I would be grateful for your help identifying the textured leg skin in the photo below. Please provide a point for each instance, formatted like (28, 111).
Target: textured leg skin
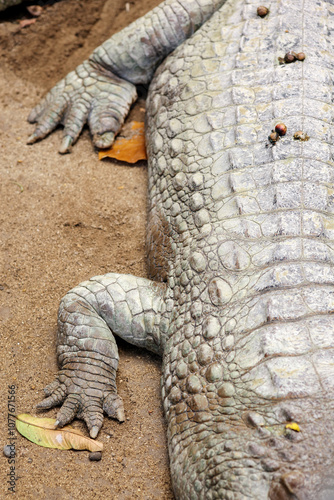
(90, 94)
(88, 317)
(101, 90)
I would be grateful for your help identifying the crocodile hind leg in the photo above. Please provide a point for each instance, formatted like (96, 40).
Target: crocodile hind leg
(101, 90)
(89, 317)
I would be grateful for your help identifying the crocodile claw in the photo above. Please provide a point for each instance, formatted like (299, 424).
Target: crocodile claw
(66, 145)
(83, 404)
(88, 94)
(113, 406)
(104, 140)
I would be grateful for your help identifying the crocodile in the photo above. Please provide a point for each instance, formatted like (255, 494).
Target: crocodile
(239, 300)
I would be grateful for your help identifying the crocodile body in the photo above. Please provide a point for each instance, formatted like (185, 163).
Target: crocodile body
(241, 249)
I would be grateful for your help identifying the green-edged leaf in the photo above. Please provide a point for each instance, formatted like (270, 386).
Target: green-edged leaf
(42, 431)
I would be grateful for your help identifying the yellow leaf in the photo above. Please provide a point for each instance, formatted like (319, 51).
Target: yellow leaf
(42, 431)
(129, 145)
(293, 426)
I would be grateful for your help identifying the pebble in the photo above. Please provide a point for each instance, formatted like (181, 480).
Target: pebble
(95, 456)
(8, 452)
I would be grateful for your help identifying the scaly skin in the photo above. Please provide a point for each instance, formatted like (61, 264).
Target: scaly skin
(240, 236)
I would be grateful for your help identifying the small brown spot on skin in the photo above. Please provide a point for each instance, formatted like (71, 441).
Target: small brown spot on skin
(262, 11)
(289, 57)
(300, 56)
(273, 137)
(281, 129)
(300, 136)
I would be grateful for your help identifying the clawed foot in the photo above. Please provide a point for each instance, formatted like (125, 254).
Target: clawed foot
(88, 94)
(84, 403)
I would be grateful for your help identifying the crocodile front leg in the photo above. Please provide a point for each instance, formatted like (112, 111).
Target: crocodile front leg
(90, 94)
(89, 317)
(101, 90)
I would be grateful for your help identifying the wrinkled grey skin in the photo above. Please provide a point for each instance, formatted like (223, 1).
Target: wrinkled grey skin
(240, 243)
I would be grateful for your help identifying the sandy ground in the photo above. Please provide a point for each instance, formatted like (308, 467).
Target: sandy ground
(64, 219)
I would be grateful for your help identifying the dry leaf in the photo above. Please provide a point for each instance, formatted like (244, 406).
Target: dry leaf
(293, 426)
(27, 22)
(35, 10)
(42, 432)
(129, 146)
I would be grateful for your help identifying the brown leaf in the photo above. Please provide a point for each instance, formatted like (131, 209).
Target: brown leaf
(129, 145)
(35, 10)
(27, 22)
(42, 431)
